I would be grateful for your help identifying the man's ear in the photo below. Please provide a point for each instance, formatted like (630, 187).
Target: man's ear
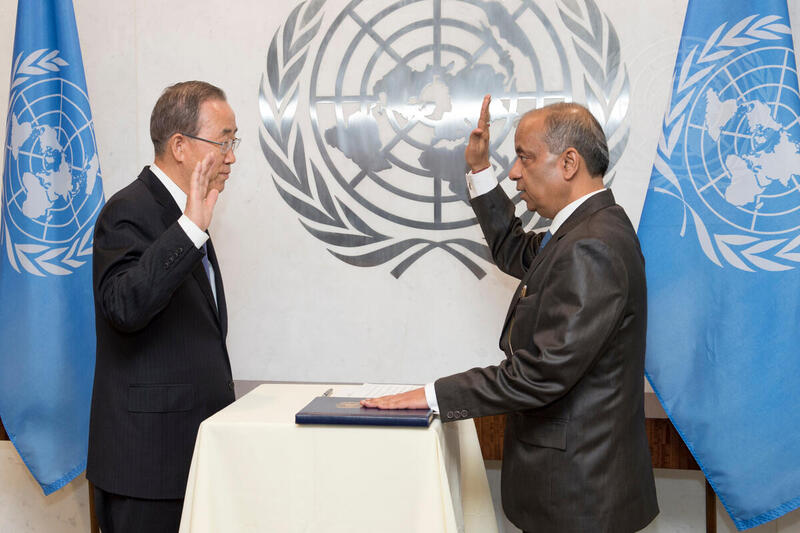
(570, 163)
(176, 145)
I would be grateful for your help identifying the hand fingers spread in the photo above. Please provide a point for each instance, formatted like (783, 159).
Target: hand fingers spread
(208, 167)
(197, 178)
(203, 171)
(211, 198)
(199, 181)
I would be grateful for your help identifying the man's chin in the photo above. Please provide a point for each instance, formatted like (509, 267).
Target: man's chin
(219, 185)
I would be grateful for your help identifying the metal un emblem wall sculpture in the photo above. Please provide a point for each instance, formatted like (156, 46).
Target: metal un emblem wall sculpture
(365, 119)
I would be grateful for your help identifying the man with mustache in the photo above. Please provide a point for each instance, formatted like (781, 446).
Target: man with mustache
(575, 457)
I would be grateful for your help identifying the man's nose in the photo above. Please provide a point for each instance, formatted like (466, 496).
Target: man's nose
(230, 157)
(516, 170)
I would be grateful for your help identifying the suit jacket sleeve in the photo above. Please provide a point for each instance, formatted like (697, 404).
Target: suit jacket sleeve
(560, 332)
(513, 249)
(138, 264)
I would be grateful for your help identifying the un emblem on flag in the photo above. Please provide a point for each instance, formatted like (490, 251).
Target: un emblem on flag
(731, 145)
(365, 120)
(51, 176)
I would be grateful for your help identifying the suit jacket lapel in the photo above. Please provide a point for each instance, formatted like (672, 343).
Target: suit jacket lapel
(590, 206)
(518, 294)
(171, 212)
(218, 305)
(222, 308)
(201, 277)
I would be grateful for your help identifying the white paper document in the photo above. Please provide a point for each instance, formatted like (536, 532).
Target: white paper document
(371, 390)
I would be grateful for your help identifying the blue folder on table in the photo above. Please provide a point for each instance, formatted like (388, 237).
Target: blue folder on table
(348, 411)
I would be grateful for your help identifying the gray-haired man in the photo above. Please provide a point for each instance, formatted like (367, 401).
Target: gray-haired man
(162, 362)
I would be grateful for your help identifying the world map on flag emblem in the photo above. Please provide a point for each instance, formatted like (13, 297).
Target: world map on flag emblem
(51, 166)
(743, 142)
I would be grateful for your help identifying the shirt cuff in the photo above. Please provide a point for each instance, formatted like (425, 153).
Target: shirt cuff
(430, 397)
(481, 183)
(198, 236)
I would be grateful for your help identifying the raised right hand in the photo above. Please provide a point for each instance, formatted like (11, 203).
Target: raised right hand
(477, 152)
(201, 201)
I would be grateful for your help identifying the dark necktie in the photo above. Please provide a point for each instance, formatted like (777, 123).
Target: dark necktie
(209, 270)
(545, 239)
(207, 263)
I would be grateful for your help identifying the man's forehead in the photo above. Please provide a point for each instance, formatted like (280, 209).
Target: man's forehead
(530, 123)
(218, 115)
(534, 116)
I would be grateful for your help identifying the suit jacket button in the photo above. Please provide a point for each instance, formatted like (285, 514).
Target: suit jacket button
(449, 414)
(464, 413)
(230, 385)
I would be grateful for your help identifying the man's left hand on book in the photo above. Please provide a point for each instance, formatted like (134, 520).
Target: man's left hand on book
(413, 399)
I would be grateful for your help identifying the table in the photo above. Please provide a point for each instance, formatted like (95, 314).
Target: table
(253, 469)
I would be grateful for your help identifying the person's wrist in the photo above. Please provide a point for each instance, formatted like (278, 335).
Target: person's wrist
(196, 219)
(480, 167)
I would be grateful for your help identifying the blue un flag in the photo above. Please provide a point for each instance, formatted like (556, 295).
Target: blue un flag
(52, 192)
(721, 236)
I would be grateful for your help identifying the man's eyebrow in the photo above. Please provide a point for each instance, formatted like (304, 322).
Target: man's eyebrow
(228, 130)
(523, 152)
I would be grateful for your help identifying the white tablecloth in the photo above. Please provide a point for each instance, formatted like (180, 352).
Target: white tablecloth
(255, 470)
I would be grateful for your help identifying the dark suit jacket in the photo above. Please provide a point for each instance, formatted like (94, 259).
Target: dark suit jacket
(576, 457)
(162, 363)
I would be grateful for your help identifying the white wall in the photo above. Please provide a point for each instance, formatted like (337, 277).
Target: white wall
(297, 312)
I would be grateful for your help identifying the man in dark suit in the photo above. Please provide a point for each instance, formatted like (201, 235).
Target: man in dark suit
(162, 363)
(575, 457)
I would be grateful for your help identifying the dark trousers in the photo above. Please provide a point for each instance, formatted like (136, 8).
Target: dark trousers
(125, 514)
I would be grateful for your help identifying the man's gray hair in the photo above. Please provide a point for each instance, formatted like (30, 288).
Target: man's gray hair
(572, 125)
(177, 111)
